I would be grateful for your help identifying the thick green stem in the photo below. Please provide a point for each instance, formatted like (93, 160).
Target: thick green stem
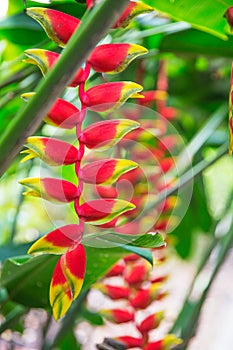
(95, 25)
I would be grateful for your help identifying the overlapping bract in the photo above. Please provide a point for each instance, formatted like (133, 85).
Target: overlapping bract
(66, 241)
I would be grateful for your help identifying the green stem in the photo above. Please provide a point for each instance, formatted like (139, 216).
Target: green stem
(68, 321)
(95, 25)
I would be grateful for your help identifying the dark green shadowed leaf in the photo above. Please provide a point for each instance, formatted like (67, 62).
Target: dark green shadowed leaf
(27, 279)
(16, 28)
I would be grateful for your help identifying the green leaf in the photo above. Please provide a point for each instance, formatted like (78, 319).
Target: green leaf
(16, 28)
(10, 250)
(204, 15)
(194, 42)
(107, 239)
(27, 278)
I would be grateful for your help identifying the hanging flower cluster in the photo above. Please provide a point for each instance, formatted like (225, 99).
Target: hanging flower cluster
(139, 288)
(231, 115)
(69, 272)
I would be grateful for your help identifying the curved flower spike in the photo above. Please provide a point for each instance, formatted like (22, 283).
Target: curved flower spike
(117, 315)
(51, 151)
(105, 134)
(169, 341)
(67, 280)
(133, 10)
(46, 59)
(62, 114)
(114, 58)
(109, 96)
(150, 322)
(58, 26)
(106, 171)
(101, 211)
(130, 342)
(52, 189)
(59, 241)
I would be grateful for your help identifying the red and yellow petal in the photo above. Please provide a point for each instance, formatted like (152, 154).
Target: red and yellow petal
(113, 292)
(52, 189)
(105, 134)
(73, 265)
(58, 26)
(114, 58)
(231, 114)
(133, 10)
(101, 211)
(130, 342)
(167, 343)
(46, 59)
(62, 114)
(52, 151)
(109, 96)
(117, 315)
(106, 171)
(60, 294)
(58, 241)
(150, 322)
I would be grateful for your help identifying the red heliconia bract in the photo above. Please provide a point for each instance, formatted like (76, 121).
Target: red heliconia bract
(58, 26)
(107, 211)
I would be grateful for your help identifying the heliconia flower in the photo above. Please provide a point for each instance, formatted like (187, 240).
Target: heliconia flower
(55, 190)
(144, 297)
(167, 343)
(106, 171)
(116, 270)
(229, 16)
(152, 96)
(166, 164)
(113, 292)
(231, 111)
(60, 292)
(51, 151)
(117, 315)
(114, 58)
(150, 322)
(67, 280)
(109, 96)
(46, 59)
(105, 134)
(168, 112)
(130, 342)
(133, 10)
(137, 274)
(62, 114)
(59, 241)
(101, 211)
(58, 26)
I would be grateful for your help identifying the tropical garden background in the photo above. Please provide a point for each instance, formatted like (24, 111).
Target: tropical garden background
(156, 261)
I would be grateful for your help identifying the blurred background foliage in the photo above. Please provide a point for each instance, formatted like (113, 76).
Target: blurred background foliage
(197, 48)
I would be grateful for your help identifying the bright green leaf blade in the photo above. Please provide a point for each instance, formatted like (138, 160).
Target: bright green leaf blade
(204, 15)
